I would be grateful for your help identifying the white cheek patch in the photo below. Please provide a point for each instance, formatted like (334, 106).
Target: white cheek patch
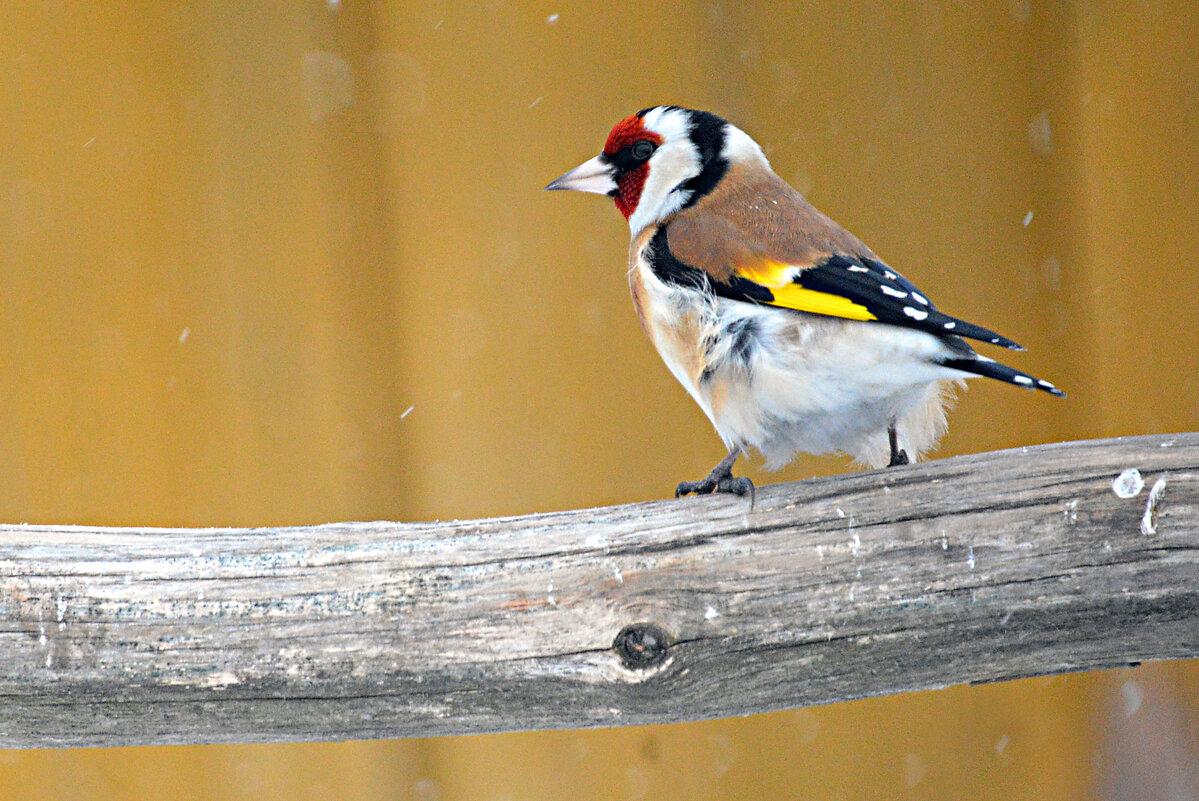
(677, 161)
(673, 164)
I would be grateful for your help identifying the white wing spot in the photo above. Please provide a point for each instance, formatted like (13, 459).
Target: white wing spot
(895, 293)
(1022, 379)
(995, 341)
(1045, 383)
(890, 275)
(857, 268)
(951, 325)
(915, 314)
(920, 298)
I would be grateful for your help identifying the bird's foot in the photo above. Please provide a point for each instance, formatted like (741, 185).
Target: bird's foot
(898, 458)
(719, 480)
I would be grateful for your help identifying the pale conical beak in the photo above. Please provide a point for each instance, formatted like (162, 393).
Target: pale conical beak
(595, 176)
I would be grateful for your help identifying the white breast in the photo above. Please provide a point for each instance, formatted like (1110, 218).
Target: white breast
(784, 382)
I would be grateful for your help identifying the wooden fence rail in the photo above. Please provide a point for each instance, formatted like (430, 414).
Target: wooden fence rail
(972, 569)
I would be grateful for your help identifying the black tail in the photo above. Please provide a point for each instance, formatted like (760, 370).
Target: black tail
(981, 365)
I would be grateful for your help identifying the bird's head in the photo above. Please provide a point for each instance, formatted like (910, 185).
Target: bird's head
(662, 160)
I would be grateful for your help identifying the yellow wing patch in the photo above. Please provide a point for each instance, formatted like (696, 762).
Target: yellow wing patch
(809, 300)
(778, 278)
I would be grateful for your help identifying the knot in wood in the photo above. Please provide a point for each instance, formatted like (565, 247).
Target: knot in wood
(642, 645)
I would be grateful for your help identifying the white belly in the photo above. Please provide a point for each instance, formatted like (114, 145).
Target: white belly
(785, 383)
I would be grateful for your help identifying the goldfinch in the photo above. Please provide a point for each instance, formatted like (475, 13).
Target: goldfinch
(790, 334)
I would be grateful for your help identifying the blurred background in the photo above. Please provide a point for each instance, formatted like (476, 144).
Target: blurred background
(286, 263)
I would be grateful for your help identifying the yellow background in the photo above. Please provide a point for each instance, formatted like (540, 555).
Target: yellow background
(238, 241)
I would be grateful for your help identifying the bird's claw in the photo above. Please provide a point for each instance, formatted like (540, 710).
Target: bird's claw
(697, 487)
(734, 485)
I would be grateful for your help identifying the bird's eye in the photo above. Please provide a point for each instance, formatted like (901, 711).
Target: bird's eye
(643, 150)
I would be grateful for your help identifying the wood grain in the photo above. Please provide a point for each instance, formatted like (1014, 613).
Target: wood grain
(972, 569)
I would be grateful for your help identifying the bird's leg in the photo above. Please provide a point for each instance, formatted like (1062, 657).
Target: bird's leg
(898, 456)
(721, 479)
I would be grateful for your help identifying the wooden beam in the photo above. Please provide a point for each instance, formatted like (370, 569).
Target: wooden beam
(972, 569)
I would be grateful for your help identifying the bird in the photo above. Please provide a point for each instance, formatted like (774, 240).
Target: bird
(791, 334)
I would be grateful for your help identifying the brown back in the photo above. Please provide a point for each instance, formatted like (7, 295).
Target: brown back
(754, 215)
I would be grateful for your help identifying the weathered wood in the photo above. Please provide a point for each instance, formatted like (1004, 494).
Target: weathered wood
(972, 569)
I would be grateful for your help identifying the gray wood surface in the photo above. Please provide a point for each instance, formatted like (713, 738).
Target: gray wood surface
(973, 569)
